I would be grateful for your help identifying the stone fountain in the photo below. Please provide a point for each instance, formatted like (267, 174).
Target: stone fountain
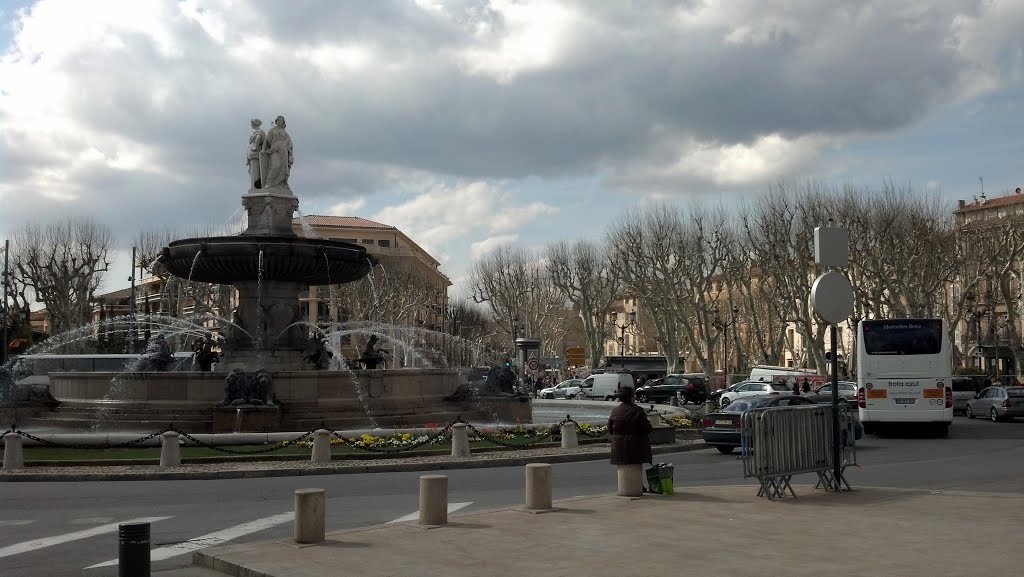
(263, 380)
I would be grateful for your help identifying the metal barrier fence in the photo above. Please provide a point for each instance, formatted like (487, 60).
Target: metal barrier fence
(779, 442)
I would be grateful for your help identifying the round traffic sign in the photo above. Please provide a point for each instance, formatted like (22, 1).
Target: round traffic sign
(832, 297)
(533, 364)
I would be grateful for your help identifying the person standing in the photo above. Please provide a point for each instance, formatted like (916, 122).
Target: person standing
(629, 430)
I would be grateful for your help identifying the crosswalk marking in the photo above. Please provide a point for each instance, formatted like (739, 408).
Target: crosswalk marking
(16, 522)
(34, 544)
(452, 507)
(211, 539)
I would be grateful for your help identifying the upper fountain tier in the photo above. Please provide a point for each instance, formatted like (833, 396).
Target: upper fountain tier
(286, 256)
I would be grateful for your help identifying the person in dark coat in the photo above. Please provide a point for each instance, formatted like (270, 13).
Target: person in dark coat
(806, 386)
(629, 430)
(796, 387)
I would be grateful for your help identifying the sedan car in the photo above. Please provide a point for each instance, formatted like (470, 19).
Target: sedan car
(858, 428)
(566, 389)
(721, 429)
(847, 390)
(754, 388)
(662, 390)
(997, 403)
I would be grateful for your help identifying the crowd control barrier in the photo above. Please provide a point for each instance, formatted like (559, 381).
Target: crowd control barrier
(779, 442)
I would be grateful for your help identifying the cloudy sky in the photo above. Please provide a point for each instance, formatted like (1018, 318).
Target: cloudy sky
(469, 124)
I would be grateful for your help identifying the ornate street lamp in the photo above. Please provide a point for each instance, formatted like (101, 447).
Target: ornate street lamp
(725, 344)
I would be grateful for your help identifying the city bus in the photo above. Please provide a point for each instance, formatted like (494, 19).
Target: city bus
(904, 374)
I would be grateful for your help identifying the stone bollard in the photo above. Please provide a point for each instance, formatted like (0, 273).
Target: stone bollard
(460, 440)
(433, 499)
(538, 486)
(14, 456)
(675, 401)
(170, 450)
(655, 418)
(321, 446)
(631, 480)
(569, 440)
(310, 515)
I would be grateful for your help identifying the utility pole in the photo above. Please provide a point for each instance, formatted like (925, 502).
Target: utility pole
(6, 311)
(131, 310)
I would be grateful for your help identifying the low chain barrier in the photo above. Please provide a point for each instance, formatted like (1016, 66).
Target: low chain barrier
(500, 438)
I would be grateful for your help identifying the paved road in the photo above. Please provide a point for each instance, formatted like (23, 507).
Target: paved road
(74, 524)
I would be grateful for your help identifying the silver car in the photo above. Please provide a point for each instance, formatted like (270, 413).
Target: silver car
(564, 390)
(997, 403)
(847, 390)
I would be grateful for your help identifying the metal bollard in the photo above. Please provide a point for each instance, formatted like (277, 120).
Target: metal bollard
(170, 450)
(133, 550)
(14, 455)
(460, 440)
(569, 439)
(310, 515)
(630, 480)
(433, 499)
(321, 447)
(538, 486)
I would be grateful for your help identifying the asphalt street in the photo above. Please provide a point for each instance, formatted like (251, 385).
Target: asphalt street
(62, 528)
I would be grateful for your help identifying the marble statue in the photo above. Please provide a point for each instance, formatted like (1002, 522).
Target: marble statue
(252, 154)
(277, 152)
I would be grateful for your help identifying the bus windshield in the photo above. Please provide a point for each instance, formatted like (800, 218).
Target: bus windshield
(902, 337)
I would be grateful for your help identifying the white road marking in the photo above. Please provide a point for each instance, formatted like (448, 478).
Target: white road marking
(58, 539)
(211, 539)
(16, 523)
(452, 507)
(91, 520)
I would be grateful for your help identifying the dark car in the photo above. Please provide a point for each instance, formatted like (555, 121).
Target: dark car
(662, 390)
(722, 428)
(858, 429)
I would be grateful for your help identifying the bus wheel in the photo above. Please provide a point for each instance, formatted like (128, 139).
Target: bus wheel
(942, 430)
(869, 428)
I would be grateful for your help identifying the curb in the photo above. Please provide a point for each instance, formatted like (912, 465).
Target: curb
(391, 467)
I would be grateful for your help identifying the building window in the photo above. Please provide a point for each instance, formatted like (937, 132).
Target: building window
(367, 241)
(351, 240)
(384, 243)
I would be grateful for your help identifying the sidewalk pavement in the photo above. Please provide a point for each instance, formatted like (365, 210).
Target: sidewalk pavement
(725, 531)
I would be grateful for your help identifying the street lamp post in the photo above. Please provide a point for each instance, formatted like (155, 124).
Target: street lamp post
(3, 308)
(725, 344)
(622, 333)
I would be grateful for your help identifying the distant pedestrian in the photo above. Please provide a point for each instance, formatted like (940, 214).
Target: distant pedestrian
(630, 432)
(796, 387)
(806, 386)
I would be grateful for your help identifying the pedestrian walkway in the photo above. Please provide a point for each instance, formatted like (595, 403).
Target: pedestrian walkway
(710, 530)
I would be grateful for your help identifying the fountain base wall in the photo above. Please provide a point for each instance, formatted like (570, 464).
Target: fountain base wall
(307, 400)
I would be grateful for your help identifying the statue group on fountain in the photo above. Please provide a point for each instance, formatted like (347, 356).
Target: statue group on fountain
(253, 389)
(203, 353)
(269, 156)
(373, 356)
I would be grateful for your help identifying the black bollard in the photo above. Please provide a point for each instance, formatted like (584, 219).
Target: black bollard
(133, 550)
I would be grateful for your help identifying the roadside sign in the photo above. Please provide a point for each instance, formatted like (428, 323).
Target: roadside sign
(533, 364)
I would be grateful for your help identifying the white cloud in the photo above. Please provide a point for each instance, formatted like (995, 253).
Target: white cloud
(482, 247)
(348, 207)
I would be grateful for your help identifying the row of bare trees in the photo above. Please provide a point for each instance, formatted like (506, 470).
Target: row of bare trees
(689, 266)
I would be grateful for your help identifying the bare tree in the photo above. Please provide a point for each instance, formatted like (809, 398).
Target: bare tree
(584, 274)
(503, 281)
(63, 264)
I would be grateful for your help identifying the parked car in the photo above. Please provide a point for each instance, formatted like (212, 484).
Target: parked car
(964, 389)
(721, 429)
(997, 403)
(749, 389)
(858, 428)
(847, 390)
(716, 395)
(566, 389)
(662, 390)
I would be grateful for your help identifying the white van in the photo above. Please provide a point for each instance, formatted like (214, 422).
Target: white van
(769, 373)
(605, 385)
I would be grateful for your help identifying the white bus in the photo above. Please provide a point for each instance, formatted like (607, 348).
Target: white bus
(904, 374)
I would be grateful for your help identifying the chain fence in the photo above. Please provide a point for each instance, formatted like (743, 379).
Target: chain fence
(517, 437)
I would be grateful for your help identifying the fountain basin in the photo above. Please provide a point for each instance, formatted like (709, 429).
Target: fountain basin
(307, 400)
(233, 259)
